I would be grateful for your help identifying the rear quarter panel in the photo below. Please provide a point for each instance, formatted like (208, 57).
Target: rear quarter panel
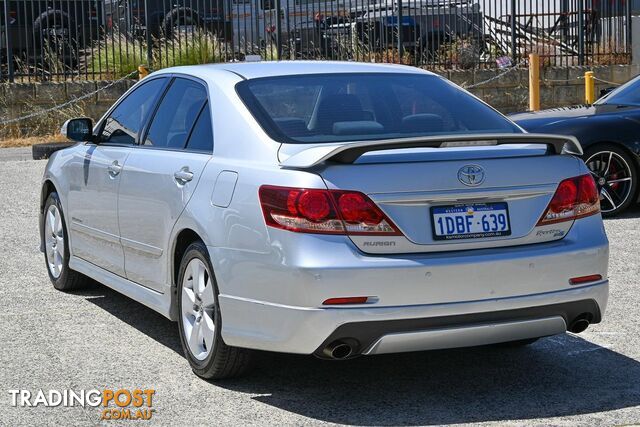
(237, 233)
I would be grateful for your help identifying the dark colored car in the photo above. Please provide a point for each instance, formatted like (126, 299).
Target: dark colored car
(43, 29)
(165, 17)
(424, 25)
(609, 131)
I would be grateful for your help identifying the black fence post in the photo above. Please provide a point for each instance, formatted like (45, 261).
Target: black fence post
(514, 43)
(279, 29)
(629, 33)
(148, 36)
(7, 40)
(580, 32)
(399, 18)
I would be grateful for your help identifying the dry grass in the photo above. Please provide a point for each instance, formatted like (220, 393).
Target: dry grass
(29, 141)
(392, 56)
(41, 128)
(551, 55)
(461, 53)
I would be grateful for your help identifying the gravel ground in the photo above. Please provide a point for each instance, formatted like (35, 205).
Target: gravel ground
(99, 339)
(19, 153)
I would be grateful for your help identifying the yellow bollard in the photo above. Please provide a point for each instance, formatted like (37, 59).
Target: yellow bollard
(589, 88)
(534, 82)
(143, 71)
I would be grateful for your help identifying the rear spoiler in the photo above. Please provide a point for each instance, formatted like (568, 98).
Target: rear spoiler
(349, 152)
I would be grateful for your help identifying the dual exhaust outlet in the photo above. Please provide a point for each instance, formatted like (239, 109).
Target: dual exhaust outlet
(340, 350)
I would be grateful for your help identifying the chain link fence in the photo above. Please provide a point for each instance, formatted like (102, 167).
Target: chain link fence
(107, 39)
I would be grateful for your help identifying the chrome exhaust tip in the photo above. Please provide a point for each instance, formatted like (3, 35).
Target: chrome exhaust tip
(579, 325)
(337, 350)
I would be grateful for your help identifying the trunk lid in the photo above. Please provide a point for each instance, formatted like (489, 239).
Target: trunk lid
(413, 185)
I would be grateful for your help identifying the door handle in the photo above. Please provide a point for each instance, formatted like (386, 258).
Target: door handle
(183, 176)
(114, 169)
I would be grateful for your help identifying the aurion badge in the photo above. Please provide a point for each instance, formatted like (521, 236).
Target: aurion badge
(471, 175)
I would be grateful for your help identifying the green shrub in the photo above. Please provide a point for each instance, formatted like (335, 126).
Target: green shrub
(189, 49)
(117, 55)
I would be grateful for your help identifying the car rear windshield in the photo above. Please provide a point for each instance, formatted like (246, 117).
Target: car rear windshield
(321, 108)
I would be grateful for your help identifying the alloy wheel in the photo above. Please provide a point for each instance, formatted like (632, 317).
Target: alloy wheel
(613, 177)
(54, 241)
(198, 309)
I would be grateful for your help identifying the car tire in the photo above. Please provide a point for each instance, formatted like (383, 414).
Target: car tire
(616, 196)
(64, 48)
(180, 16)
(54, 235)
(204, 348)
(46, 149)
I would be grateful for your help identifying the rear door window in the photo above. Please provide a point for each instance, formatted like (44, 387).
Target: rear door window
(201, 138)
(176, 114)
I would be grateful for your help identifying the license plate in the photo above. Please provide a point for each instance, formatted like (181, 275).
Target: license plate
(470, 221)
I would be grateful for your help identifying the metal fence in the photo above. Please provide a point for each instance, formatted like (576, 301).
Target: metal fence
(106, 39)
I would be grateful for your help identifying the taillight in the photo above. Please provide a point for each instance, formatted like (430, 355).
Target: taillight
(574, 198)
(324, 211)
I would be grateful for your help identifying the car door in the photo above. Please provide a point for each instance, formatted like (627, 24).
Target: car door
(93, 193)
(159, 178)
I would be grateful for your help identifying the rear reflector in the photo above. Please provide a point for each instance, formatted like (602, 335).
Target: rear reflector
(346, 300)
(324, 211)
(574, 198)
(585, 279)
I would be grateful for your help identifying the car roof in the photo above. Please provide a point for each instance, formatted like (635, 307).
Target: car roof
(254, 70)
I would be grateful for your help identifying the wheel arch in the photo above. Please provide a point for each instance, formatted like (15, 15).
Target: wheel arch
(178, 13)
(181, 11)
(621, 145)
(37, 23)
(48, 187)
(181, 242)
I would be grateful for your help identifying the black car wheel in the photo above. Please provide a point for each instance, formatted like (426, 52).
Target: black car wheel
(615, 173)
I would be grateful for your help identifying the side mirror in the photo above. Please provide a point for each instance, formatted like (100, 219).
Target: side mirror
(78, 129)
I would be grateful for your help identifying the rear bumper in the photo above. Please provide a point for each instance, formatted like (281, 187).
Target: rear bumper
(375, 330)
(273, 301)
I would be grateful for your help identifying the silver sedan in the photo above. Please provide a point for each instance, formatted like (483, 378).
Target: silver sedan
(334, 209)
